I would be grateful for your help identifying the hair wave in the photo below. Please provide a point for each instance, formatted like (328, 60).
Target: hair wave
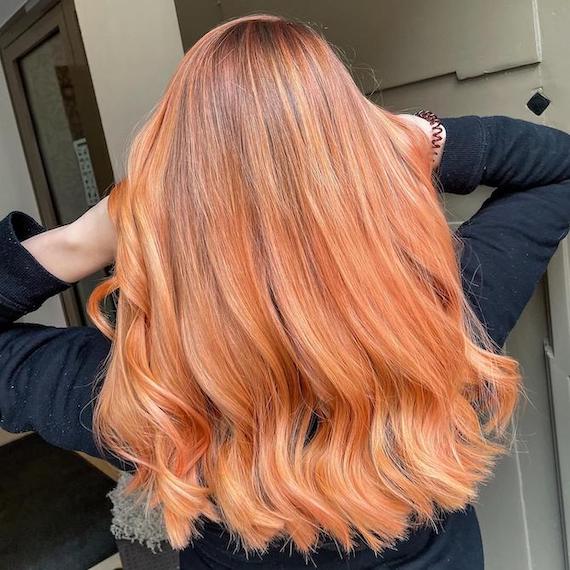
(293, 353)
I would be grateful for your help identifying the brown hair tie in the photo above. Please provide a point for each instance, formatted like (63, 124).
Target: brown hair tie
(436, 128)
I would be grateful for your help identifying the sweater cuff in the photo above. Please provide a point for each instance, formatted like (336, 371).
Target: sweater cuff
(462, 162)
(24, 283)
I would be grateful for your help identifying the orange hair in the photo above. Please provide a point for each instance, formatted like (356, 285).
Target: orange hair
(293, 352)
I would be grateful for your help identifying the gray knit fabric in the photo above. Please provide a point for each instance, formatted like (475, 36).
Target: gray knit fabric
(132, 520)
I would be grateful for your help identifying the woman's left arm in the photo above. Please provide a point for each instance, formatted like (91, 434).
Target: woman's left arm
(77, 250)
(48, 374)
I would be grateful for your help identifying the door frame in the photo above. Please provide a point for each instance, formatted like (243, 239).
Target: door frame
(558, 365)
(18, 37)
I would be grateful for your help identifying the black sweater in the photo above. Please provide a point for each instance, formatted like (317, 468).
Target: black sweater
(47, 373)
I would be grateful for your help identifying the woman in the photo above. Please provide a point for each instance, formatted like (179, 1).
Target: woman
(301, 354)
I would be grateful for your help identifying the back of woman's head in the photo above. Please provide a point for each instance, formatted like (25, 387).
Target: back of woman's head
(293, 353)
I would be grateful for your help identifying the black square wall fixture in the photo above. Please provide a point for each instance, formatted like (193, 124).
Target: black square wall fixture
(538, 103)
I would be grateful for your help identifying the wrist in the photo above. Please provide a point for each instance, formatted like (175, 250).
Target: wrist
(463, 162)
(435, 139)
(436, 133)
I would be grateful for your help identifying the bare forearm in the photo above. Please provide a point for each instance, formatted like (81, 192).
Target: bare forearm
(77, 250)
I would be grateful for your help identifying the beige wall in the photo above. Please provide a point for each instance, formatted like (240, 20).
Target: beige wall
(133, 47)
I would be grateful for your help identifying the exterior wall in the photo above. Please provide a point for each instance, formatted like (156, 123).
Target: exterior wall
(132, 47)
(8, 8)
(196, 17)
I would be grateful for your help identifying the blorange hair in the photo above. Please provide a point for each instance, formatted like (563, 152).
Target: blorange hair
(293, 352)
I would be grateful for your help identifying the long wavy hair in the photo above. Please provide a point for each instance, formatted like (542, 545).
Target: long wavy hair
(293, 355)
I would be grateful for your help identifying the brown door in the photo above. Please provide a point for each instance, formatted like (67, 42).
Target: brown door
(54, 102)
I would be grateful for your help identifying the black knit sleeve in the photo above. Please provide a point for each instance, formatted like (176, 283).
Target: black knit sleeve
(48, 375)
(508, 243)
(24, 283)
(506, 247)
(501, 151)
